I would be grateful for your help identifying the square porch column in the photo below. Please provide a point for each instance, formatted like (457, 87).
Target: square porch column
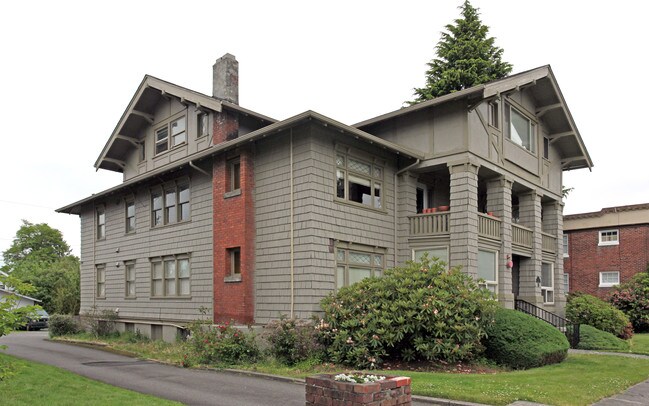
(553, 224)
(499, 201)
(530, 269)
(406, 206)
(463, 223)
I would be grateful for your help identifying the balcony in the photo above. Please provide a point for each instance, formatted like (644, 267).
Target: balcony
(549, 243)
(522, 237)
(488, 227)
(429, 224)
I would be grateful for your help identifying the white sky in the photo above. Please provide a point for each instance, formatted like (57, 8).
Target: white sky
(68, 69)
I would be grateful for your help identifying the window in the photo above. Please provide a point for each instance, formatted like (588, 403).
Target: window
(142, 150)
(101, 280)
(101, 224)
(177, 129)
(435, 252)
(608, 279)
(234, 174)
(487, 269)
(493, 115)
(609, 237)
(176, 204)
(358, 181)
(203, 124)
(353, 266)
(546, 148)
(234, 266)
(130, 216)
(522, 130)
(566, 246)
(170, 276)
(547, 282)
(566, 283)
(129, 274)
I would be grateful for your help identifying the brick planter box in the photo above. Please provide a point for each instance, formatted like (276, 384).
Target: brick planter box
(324, 390)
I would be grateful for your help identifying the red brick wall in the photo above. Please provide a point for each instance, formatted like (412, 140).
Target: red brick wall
(226, 127)
(587, 259)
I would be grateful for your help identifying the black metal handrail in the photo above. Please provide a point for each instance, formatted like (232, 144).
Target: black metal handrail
(571, 330)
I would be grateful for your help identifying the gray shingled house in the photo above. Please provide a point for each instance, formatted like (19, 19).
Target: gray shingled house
(228, 210)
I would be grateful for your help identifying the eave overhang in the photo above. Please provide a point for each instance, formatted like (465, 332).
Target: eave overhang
(268, 131)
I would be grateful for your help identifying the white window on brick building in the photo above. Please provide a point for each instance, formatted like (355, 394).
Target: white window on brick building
(609, 237)
(566, 245)
(608, 279)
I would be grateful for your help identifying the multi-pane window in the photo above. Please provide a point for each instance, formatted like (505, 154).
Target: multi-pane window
(101, 223)
(172, 206)
(359, 181)
(234, 174)
(521, 130)
(130, 216)
(609, 237)
(170, 135)
(203, 124)
(170, 276)
(608, 279)
(487, 269)
(566, 245)
(101, 280)
(547, 282)
(353, 266)
(494, 117)
(566, 283)
(142, 151)
(441, 253)
(546, 148)
(129, 276)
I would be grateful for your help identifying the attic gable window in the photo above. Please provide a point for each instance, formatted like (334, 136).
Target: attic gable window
(164, 141)
(161, 140)
(521, 130)
(203, 127)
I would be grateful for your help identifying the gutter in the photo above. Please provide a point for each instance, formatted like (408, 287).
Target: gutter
(394, 210)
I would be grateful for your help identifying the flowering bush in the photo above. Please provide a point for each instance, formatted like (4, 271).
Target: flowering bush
(587, 309)
(292, 340)
(632, 298)
(357, 377)
(420, 311)
(220, 344)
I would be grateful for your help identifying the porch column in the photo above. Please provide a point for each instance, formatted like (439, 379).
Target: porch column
(463, 223)
(499, 201)
(406, 206)
(530, 269)
(553, 224)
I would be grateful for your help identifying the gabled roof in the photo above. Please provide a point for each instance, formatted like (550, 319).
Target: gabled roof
(139, 114)
(11, 292)
(268, 131)
(552, 109)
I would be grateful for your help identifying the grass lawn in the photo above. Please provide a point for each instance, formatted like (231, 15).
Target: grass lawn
(37, 384)
(640, 344)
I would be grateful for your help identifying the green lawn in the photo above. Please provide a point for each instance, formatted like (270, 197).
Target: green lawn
(37, 384)
(640, 344)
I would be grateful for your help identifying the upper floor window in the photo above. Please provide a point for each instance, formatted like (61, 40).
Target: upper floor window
(170, 276)
(172, 206)
(101, 280)
(494, 115)
(130, 216)
(566, 245)
(202, 124)
(234, 174)
(233, 265)
(129, 276)
(521, 130)
(101, 223)
(354, 265)
(488, 269)
(609, 237)
(608, 279)
(163, 140)
(359, 181)
(547, 282)
(142, 151)
(546, 148)
(566, 283)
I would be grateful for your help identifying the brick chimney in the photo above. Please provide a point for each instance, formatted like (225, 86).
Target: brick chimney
(225, 83)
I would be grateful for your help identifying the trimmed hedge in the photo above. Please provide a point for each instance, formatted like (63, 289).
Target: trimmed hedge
(520, 341)
(63, 324)
(587, 309)
(591, 338)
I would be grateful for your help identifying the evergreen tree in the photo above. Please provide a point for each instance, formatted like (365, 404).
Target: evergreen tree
(465, 57)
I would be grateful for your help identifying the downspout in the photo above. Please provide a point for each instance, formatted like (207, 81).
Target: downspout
(191, 164)
(394, 210)
(291, 223)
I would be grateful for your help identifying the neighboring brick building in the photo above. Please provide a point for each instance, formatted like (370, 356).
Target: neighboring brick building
(231, 212)
(605, 248)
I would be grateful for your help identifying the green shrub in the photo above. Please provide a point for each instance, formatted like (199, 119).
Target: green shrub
(292, 341)
(587, 309)
(591, 338)
(632, 298)
(520, 341)
(420, 311)
(221, 345)
(63, 324)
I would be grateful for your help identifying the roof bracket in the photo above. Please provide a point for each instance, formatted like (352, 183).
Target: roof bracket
(148, 117)
(117, 162)
(133, 141)
(556, 136)
(541, 111)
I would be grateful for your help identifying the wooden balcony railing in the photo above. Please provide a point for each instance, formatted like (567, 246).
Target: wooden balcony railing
(488, 226)
(522, 236)
(549, 242)
(429, 223)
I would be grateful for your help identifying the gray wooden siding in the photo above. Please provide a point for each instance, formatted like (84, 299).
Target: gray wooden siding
(193, 237)
(318, 217)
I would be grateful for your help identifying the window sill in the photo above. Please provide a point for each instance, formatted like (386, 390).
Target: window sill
(608, 285)
(170, 224)
(522, 147)
(170, 297)
(605, 244)
(360, 205)
(232, 279)
(232, 193)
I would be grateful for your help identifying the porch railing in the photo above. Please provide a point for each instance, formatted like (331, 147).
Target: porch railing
(549, 242)
(429, 223)
(571, 330)
(488, 226)
(522, 236)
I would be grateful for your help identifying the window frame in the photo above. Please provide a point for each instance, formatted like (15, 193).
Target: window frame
(566, 283)
(548, 290)
(489, 283)
(129, 280)
(100, 281)
(532, 128)
(566, 245)
(234, 174)
(168, 142)
(426, 249)
(233, 264)
(202, 123)
(171, 211)
(129, 228)
(603, 284)
(493, 114)
(376, 182)
(375, 269)
(100, 221)
(162, 261)
(615, 232)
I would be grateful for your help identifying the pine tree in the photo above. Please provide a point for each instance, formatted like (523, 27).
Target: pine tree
(465, 57)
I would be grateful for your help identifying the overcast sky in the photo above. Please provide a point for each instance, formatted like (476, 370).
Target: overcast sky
(69, 69)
